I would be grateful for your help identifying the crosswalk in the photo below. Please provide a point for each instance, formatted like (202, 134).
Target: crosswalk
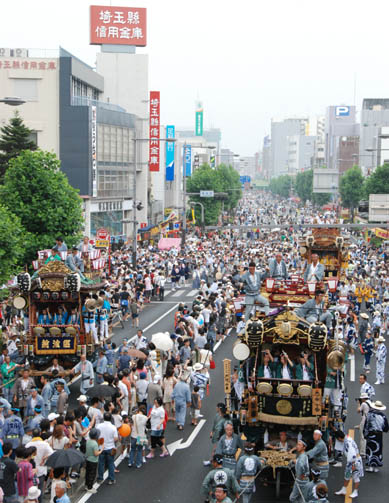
(181, 292)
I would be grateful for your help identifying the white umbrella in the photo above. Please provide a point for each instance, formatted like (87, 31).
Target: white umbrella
(162, 341)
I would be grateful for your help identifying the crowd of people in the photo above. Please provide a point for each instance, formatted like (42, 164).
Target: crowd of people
(149, 389)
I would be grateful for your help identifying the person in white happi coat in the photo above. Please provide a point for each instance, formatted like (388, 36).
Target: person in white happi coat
(354, 464)
(381, 360)
(85, 368)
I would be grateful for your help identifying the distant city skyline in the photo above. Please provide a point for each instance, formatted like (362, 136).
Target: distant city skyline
(247, 62)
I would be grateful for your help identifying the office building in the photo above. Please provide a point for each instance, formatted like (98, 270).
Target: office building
(374, 117)
(280, 131)
(341, 131)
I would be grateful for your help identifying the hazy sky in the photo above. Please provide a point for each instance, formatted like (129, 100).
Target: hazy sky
(247, 60)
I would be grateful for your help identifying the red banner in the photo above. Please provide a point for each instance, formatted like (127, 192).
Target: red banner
(117, 25)
(154, 128)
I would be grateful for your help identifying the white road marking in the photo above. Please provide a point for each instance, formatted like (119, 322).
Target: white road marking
(192, 293)
(352, 368)
(179, 293)
(217, 345)
(178, 445)
(96, 485)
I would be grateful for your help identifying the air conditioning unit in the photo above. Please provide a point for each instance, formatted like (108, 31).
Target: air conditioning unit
(19, 53)
(5, 53)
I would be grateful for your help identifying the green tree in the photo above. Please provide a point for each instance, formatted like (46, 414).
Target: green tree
(351, 188)
(205, 178)
(377, 182)
(15, 137)
(11, 244)
(230, 183)
(304, 189)
(281, 185)
(38, 192)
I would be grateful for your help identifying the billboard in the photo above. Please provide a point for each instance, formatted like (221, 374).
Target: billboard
(170, 149)
(199, 119)
(154, 129)
(118, 25)
(342, 111)
(94, 149)
(187, 160)
(325, 180)
(379, 208)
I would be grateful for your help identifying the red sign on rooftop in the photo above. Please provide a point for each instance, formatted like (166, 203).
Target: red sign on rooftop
(118, 25)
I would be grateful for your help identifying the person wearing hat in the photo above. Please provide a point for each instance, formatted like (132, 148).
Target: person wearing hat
(376, 424)
(181, 398)
(12, 430)
(199, 378)
(228, 446)
(246, 470)
(363, 409)
(33, 495)
(380, 360)
(354, 464)
(220, 475)
(318, 455)
(252, 281)
(313, 483)
(300, 486)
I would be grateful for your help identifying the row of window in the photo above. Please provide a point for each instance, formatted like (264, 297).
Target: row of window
(115, 144)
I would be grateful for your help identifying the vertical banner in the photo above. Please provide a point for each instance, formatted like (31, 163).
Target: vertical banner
(170, 149)
(187, 160)
(212, 161)
(199, 119)
(154, 129)
(94, 150)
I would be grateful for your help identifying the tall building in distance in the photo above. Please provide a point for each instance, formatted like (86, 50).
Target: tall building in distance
(374, 117)
(280, 131)
(341, 137)
(301, 151)
(317, 129)
(266, 158)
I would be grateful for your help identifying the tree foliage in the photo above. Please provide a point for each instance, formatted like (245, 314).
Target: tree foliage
(15, 137)
(230, 183)
(304, 189)
(39, 194)
(11, 244)
(281, 185)
(222, 179)
(377, 182)
(351, 187)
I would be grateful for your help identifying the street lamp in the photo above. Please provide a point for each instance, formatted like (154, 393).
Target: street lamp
(13, 101)
(134, 205)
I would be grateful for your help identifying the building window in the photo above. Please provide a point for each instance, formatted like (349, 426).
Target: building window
(27, 89)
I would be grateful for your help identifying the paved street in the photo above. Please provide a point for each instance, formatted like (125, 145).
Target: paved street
(179, 477)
